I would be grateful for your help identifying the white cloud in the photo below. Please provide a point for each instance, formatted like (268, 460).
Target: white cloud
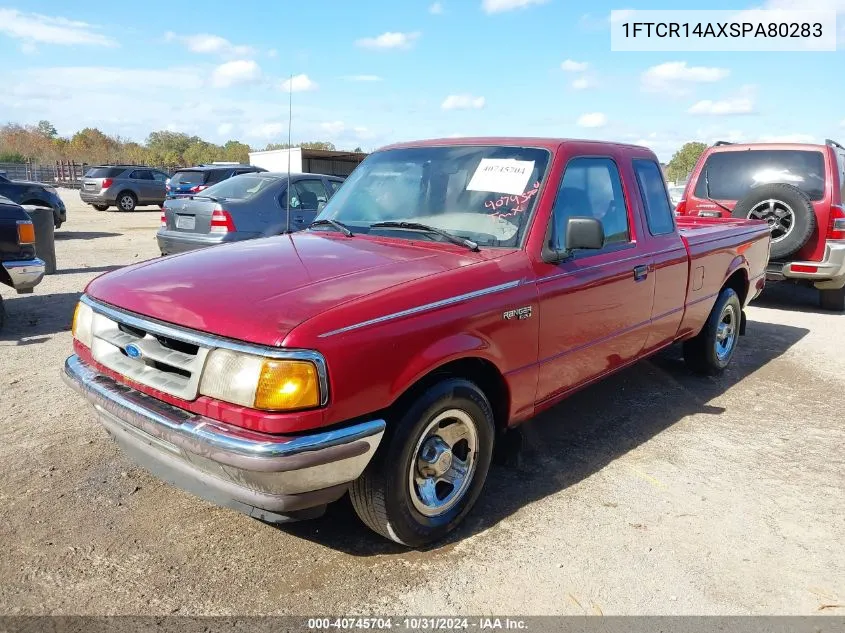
(592, 120)
(45, 29)
(572, 66)
(224, 128)
(363, 78)
(208, 44)
(333, 127)
(582, 83)
(29, 48)
(741, 105)
(675, 77)
(299, 83)
(500, 6)
(436, 8)
(462, 102)
(268, 130)
(239, 71)
(389, 40)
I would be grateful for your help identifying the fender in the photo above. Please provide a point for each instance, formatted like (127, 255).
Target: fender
(459, 346)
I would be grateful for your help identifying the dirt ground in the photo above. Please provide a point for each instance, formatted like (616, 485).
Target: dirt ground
(655, 492)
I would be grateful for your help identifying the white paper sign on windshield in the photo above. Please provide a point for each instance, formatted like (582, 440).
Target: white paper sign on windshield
(501, 175)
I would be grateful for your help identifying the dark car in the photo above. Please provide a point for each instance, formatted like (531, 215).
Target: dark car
(123, 186)
(36, 194)
(19, 267)
(186, 182)
(241, 208)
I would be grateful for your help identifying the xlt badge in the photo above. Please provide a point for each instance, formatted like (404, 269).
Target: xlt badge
(518, 313)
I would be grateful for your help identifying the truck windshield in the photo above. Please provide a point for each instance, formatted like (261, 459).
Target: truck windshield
(485, 194)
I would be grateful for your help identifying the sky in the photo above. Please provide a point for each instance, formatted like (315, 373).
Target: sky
(373, 72)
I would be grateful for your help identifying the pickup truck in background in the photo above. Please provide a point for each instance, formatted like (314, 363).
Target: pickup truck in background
(797, 189)
(19, 267)
(449, 290)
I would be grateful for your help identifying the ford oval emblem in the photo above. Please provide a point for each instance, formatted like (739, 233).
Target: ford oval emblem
(133, 351)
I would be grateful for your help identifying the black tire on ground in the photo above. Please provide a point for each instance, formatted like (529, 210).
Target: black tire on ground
(833, 300)
(126, 201)
(712, 349)
(382, 495)
(100, 207)
(780, 195)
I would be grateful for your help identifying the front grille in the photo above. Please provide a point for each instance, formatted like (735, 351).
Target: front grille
(165, 363)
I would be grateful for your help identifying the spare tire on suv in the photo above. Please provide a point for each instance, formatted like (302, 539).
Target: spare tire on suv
(788, 211)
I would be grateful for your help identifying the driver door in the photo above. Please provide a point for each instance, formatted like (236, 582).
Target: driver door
(595, 307)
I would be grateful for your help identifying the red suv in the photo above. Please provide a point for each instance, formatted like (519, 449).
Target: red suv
(798, 189)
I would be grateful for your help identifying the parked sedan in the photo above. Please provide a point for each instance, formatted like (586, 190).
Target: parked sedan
(241, 208)
(123, 186)
(36, 194)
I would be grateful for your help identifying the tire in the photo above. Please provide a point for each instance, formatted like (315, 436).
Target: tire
(788, 211)
(712, 349)
(126, 201)
(100, 207)
(833, 300)
(385, 497)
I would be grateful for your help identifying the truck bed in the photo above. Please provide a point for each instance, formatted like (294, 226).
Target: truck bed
(720, 247)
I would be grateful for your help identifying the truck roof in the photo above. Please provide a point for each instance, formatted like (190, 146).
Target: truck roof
(516, 141)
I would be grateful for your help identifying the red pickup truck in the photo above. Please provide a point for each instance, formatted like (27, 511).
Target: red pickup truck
(451, 289)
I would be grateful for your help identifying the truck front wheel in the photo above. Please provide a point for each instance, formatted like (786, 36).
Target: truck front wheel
(711, 351)
(431, 466)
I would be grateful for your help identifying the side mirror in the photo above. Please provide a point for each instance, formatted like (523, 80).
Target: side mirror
(584, 233)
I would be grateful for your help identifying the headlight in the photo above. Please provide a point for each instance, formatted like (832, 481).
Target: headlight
(269, 384)
(83, 320)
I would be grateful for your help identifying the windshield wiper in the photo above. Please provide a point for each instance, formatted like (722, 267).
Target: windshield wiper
(707, 191)
(334, 224)
(416, 226)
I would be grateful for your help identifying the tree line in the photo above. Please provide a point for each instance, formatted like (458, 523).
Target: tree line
(42, 144)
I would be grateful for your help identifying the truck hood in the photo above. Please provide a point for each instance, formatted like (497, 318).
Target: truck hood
(259, 290)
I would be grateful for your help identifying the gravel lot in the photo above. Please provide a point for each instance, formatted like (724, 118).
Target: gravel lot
(655, 492)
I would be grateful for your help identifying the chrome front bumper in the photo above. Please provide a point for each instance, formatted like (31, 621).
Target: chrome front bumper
(270, 477)
(828, 274)
(25, 274)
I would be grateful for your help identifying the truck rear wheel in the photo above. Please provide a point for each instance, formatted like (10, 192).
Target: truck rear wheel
(431, 466)
(711, 351)
(832, 300)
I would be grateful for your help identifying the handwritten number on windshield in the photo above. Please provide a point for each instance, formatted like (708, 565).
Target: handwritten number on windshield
(500, 206)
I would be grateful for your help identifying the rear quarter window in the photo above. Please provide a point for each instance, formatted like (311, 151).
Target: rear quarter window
(731, 175)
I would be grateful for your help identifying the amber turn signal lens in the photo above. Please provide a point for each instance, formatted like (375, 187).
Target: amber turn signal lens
(75, 319)
(26, 233)
(286, 385)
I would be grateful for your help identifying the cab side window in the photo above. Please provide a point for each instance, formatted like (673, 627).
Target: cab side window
(658, 210)
(591, 187)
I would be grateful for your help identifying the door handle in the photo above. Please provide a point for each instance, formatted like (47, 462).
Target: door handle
(640, 273)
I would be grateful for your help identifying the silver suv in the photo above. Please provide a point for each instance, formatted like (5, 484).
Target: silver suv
(123, 186)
